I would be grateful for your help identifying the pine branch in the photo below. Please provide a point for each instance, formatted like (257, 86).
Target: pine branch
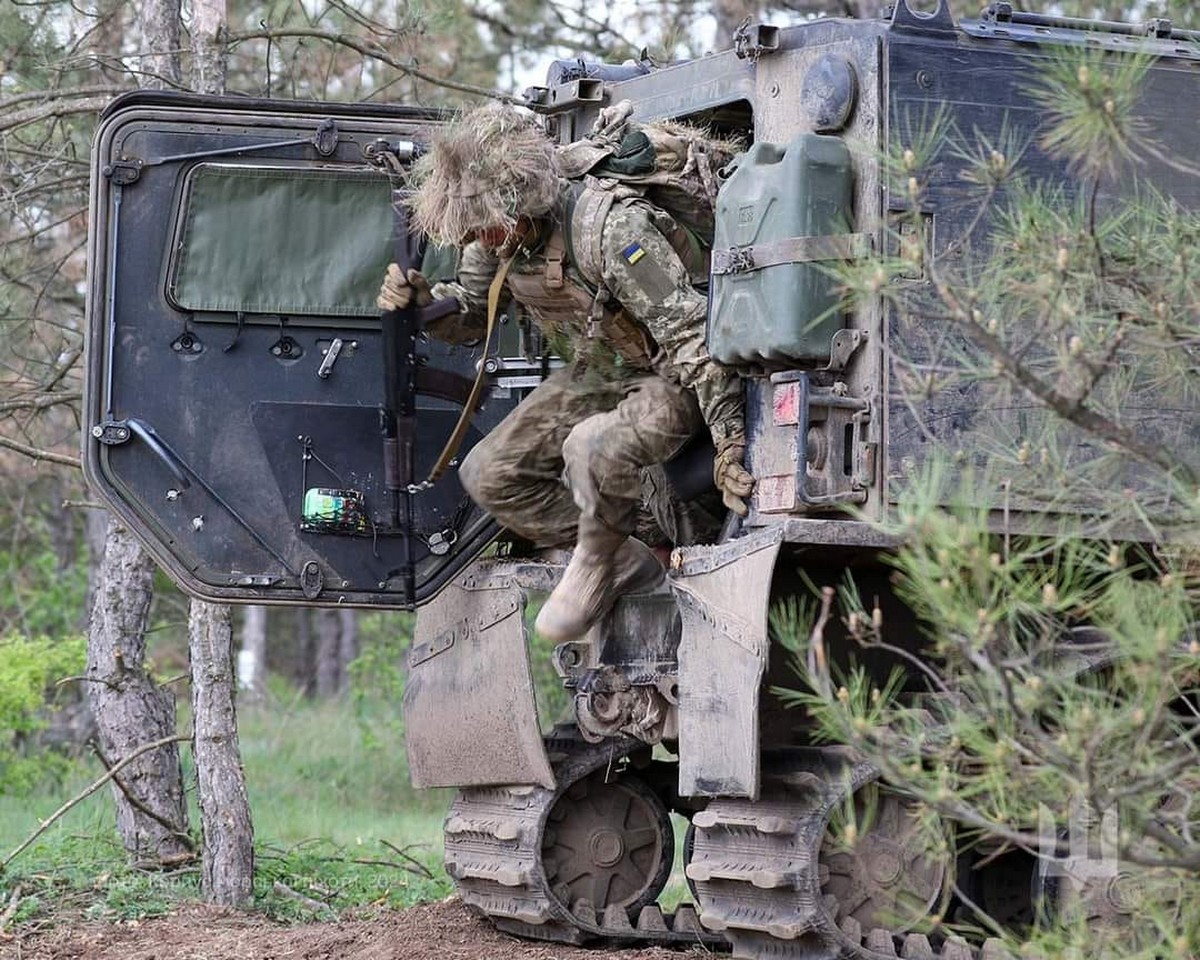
(1073, 410)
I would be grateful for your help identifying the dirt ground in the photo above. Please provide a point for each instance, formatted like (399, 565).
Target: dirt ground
(445, 931)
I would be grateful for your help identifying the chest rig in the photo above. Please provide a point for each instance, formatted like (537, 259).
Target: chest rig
(564, 302)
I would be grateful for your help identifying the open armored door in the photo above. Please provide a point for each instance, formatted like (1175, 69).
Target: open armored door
(236, 363)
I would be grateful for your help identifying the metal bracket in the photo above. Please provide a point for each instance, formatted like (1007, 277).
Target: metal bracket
(312, 580)
(939, 21)
(842, 346)
(793, 407)
(566, 96)
(422, 652)
(122, 173)
(751, 41)
(325, 140)
(111, 432)
(114, 432)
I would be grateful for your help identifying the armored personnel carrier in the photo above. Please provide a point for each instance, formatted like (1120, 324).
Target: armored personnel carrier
(272, 441)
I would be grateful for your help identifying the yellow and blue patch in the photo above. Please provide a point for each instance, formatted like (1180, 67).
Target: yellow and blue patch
(633, 253)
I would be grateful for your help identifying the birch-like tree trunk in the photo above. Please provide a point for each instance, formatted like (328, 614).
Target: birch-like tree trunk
(252, 657)
(130, 709)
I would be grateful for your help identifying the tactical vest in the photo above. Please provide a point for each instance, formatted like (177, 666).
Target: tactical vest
(562, 302)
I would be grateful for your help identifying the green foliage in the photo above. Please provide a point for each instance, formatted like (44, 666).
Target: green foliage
(28, 668)
(37, 597)
(378, 674)
(1058, 679)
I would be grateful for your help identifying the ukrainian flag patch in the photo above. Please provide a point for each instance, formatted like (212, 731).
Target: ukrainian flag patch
(633, 253)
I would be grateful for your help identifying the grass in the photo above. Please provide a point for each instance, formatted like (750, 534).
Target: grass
(335, 822)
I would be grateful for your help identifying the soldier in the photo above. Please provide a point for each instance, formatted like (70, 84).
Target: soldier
(569, 464)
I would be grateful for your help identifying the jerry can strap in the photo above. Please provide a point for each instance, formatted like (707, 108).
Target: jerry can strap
(840, 246)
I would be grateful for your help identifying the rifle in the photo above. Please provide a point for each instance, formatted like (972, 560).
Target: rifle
(401, 372)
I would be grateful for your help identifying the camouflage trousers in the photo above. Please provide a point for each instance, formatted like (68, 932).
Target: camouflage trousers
(577, 445)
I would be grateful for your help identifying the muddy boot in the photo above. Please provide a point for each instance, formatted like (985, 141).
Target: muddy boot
(606, 564)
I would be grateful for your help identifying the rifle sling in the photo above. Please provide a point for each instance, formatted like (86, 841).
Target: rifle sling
(464, 418)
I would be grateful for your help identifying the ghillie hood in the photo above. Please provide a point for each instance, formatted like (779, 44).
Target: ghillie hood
(486, 168)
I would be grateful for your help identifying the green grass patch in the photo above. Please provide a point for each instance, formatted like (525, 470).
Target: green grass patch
(336, 824)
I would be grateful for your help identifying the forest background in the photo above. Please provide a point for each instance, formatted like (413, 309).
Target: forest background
(335, 822)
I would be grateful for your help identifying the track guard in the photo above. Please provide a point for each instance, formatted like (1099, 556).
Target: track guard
(470, 714)
(723, 593)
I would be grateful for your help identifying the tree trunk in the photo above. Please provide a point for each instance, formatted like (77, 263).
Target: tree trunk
(348, 646)
(306, 666)
(209, 58)
(227, 862)
(252, 658)
(95, 532)
(129, 709)
(328, 652)
(160, 40)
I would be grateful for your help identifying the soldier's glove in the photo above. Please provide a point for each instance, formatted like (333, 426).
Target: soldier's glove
(730, 475)
(398, 290)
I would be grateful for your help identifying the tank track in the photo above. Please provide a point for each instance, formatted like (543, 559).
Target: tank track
(757, 870)
(755, 866)
(494, 838)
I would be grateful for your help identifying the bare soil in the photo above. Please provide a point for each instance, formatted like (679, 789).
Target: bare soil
(445, 931)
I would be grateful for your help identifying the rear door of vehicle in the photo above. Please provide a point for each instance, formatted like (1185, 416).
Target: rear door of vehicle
(235, 372)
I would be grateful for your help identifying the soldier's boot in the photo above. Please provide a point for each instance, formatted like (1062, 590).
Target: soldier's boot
(605, 565)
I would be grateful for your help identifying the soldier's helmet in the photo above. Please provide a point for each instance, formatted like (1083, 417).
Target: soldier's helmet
(490, 166)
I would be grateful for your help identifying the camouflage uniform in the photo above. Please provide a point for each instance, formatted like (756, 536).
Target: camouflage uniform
(639, 383)
(606, 422)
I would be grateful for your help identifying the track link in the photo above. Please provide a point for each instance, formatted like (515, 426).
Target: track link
(758, 871)
(494, 839)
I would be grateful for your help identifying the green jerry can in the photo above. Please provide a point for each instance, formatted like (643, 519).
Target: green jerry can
(782, 216)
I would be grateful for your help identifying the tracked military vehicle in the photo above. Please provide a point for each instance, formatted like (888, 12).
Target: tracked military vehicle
(273, 441)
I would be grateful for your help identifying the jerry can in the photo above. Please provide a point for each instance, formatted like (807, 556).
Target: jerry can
(782, 218)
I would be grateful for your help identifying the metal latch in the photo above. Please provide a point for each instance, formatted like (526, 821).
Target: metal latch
(331, 355)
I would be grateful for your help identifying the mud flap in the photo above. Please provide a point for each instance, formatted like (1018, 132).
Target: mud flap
(723, 593)
(469, 708)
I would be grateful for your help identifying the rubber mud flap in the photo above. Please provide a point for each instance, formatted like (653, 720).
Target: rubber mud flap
(723, 597)
(469, 708)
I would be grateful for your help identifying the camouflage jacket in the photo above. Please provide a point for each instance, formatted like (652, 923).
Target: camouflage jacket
(642, 274)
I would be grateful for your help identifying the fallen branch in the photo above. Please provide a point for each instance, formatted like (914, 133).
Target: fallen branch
(137, 804)
(316, 906)
(88, 791)
(11, 910)
(418, 866)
